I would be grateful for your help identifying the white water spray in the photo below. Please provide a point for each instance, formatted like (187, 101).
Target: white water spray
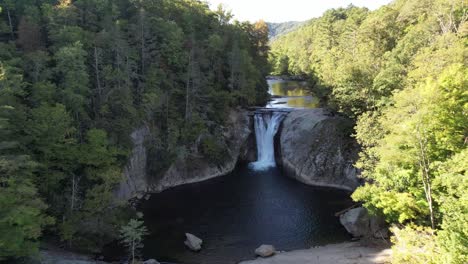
(266, 127)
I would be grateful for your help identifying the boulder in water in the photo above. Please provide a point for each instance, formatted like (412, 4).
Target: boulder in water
(265, 251)
(151, 261)
(192, 242)
(359, 223)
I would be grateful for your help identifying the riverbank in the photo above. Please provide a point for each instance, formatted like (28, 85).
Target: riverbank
(342, 253)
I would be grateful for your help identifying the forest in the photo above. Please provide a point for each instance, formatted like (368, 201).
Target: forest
(76, 77)
(400, 71)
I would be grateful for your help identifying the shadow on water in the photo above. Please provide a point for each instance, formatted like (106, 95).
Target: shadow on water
(236, 213)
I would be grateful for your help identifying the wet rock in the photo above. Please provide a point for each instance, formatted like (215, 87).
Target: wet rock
(265, 251)
(192, 242)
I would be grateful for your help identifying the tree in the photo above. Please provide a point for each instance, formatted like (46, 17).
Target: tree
(82, 75)
(132, 236)
(91, 214)
(22, 213)
(74, 80)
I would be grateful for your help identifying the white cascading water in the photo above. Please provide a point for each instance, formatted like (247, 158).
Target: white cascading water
(266, 126)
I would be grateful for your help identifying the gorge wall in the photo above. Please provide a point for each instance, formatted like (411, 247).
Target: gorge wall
(315, 147)
(236, 133)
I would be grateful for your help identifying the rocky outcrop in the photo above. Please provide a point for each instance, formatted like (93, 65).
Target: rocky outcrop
(192, 242)
(359, 223)
(265, 251)
(196, 168)
(134, 179)
(316, 148)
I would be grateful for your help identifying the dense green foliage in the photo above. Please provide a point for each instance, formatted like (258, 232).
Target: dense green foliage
(401, 72)
(78, 76)
(278, 29)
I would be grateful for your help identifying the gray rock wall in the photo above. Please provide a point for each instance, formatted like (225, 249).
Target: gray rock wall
(196, 169)
(136, 182)
(316, 149)
(134, 177)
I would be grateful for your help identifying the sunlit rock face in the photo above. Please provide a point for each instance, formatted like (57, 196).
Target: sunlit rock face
(316, 148)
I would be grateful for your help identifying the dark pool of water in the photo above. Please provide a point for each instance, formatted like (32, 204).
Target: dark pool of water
(236, 213)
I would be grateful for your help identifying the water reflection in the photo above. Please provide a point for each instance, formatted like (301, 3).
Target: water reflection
(291, 94)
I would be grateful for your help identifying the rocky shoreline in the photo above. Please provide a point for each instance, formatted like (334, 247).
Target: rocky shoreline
(374, 252)
(361, 252)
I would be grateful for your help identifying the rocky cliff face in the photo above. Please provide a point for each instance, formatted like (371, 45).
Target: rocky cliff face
(183, 171)
(196, 169)
(134, 178)
(316, 149)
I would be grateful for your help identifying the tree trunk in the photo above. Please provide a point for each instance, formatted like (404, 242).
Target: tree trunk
(424, 164)
(96, 69)
(12, 33)
(133, 251)
(187, 87)
(72, 202)
(142, 42)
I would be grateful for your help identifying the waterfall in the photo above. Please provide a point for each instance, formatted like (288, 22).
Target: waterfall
(266, 126)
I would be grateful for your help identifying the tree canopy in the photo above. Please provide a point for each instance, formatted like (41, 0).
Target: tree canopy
(400, 71)
(78, 76)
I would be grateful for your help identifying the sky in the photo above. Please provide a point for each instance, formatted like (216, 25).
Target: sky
(288, 10)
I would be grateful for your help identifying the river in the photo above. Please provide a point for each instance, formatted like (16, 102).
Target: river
(256, 204)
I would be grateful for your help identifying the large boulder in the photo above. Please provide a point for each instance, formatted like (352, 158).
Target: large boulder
(316, 148)
(192, 242)
(265, 251)
(359, 223)
(356, 221)
(151, 261)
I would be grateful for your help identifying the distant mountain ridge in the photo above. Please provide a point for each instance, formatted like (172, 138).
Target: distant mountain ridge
(277, 29)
